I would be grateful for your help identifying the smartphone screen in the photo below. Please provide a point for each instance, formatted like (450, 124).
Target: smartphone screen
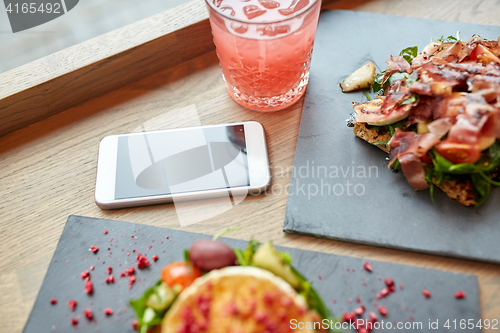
(179, 161)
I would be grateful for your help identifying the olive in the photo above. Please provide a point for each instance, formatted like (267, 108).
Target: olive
(207, 255)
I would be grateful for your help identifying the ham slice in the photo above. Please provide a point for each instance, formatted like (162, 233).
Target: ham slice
(414, 171)
(395, 65)
(409, 147)
(440, 127)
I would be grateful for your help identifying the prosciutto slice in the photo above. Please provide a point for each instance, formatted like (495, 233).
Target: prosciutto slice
(408, 148)
(440, 127)
(395, 65)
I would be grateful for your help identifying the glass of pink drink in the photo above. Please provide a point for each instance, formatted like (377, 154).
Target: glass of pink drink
(264, 48)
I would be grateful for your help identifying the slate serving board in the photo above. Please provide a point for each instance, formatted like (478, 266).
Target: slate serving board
(342, 279)
(377, 206)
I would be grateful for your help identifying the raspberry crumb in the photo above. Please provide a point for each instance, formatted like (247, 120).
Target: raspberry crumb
(89, 287)
(53, 301)
(460, 294)
(105, 232)
(382, 310)
(426, 293)
(94, 248)
(85, 274)
(319, 277)
(367, 266)
(389, 282)
(130, 271)
(131, 280)
(74, 321)
(142, 261)
(88, 314)
(72, 305)
(110, 279)
(167, 237)
(110, 269)
(135, 325)
(108, 311)
(92, 268)
(155, 258)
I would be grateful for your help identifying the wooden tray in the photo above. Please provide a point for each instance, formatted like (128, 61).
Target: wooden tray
(54, 112)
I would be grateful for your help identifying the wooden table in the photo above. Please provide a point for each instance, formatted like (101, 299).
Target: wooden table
(47, 170)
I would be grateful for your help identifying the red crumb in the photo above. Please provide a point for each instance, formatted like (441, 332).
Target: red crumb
(167, 237)
(88, 314)
(460, 294)
(142, 261)
(110, 269)
(401, 287)
(53, 301)
(359, 311)
(110, 279)
(367, 266)
(348, 317)
(389, 282)
(131, 280)
(426, 293)
(89, 287)
(373, 316)
(92, 268)
(358, 300)
(108, 311)
(382, 310)
(155, 258)
(105, 232)
(130, 271)
(319, 277)
(149, 247)
(85, 274)
(135, 325)
(94, 249)
(74, 321)
(72, 305)
(122, 274)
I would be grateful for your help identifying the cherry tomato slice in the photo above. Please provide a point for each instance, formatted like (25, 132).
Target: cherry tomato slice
(458, 152)
(181, 273)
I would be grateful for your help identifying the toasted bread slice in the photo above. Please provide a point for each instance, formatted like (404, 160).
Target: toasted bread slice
(238, 299)
(460, 190)
(371, 135)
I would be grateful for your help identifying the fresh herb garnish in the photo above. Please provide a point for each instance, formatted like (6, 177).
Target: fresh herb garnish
(478, 172)
(409, 53)
(413, 99)
(147, 317)
(383, 142)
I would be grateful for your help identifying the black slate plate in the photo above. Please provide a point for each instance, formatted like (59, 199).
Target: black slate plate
(383, 209)
(342, 278)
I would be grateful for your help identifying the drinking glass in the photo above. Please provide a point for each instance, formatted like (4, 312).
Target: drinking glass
(264, 49)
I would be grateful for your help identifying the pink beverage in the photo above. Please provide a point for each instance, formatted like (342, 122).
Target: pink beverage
(264, 48)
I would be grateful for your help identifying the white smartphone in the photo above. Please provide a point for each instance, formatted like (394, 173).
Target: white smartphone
(181, 164)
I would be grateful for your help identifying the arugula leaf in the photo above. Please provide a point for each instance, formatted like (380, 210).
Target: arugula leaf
(395, 165)
(147, 317)
(413, 99)
(313, 299)
(186, 256)
(481, 189)
(409, 53)
(392, 127)
(383, 142)
(450, 39)
(378, 83)
(244, 257)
